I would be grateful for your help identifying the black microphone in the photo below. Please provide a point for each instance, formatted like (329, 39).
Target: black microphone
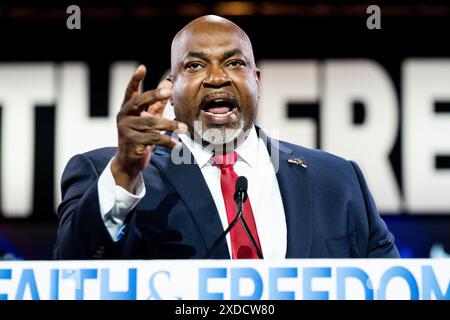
(240, 196)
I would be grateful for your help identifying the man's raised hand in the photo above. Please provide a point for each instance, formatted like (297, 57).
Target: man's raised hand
(139, 126)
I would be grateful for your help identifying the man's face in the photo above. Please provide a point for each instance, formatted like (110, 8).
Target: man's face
(215, 81)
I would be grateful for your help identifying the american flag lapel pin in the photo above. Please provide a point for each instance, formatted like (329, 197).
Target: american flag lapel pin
(298, 162)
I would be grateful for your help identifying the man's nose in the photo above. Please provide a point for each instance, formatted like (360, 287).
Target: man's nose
(216, 78)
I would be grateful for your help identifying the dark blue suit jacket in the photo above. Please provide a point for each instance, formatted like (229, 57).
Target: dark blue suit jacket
(329, 210)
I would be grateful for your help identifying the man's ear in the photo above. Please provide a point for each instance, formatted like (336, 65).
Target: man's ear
(258, 79)
(169, 78)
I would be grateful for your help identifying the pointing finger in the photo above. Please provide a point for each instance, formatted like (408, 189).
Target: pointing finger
(134, 83)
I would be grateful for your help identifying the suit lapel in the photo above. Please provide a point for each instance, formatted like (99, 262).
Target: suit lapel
(188, 181)
(295, 193)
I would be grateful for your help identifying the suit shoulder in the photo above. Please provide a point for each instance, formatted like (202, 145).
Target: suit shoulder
(316, 155)
(330, 167)
(101, 154)
(98, 158)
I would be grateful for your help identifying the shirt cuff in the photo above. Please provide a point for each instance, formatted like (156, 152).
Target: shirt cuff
(116, 202)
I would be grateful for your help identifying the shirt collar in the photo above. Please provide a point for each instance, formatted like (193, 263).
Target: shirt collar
(247, 151)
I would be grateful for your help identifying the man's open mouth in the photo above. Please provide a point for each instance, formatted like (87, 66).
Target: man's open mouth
(219, 110)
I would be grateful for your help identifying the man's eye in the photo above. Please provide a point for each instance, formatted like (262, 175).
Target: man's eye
(236, 63)
(193, 66)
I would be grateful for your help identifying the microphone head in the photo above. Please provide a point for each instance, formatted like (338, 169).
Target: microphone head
(241, 187)
(241, 184)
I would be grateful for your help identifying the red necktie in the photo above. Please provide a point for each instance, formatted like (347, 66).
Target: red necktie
(241, 246)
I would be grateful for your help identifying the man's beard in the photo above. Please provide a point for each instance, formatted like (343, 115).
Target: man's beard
(218, 134)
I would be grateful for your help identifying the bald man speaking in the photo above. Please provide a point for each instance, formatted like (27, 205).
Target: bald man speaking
(173, 195)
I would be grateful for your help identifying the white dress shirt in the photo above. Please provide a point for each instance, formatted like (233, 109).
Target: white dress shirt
(253, 162)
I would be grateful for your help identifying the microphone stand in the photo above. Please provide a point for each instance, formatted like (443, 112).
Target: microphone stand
(239, 215)
(222, 236)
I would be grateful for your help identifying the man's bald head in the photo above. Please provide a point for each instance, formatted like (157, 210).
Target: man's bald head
(211, 25)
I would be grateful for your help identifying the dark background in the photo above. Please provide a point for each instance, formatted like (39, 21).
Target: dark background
(142, 31)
